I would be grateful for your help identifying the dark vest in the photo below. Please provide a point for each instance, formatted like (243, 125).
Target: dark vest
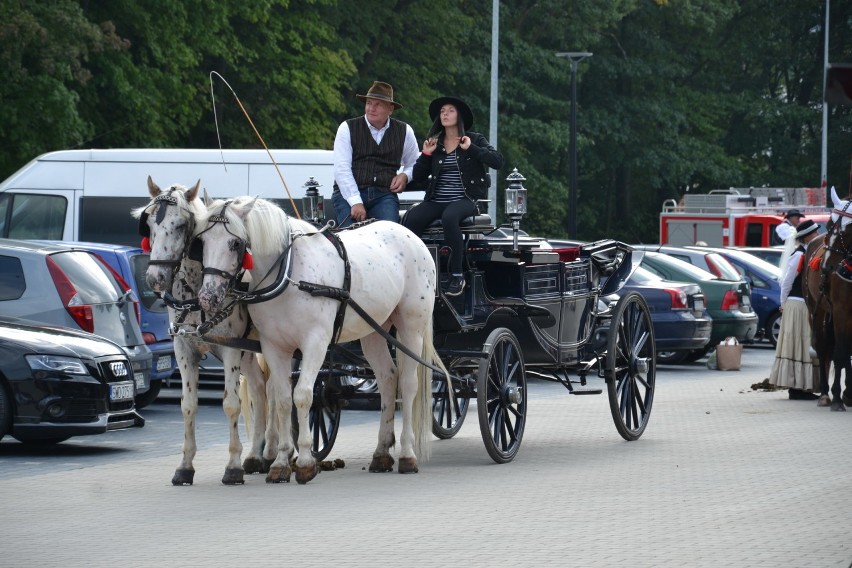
(375, 164)
(796, 289)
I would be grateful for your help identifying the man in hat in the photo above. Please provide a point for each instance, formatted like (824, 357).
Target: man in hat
(788, 227)
(373, 159)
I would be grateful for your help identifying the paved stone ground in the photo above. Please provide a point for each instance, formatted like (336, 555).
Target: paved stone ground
(723, 476)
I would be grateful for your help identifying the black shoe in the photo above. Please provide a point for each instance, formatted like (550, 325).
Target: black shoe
(455, 286)
(798, 394)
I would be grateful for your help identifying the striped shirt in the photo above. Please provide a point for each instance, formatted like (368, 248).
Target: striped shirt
(449, 187)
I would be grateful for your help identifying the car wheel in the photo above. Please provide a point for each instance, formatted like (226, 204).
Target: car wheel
(773, 328)
(671, 357)
(150, 395)
(5, 412)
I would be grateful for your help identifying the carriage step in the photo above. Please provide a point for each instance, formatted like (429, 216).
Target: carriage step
(587, 391)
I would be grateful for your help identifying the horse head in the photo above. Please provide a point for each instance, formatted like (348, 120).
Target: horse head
(227, 232)
(167, 225)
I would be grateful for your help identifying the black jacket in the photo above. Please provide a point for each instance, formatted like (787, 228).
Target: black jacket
(473, 165)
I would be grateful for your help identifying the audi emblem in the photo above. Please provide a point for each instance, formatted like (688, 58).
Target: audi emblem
(118, 369)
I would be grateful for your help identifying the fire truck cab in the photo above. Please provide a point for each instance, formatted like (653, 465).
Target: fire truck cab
(737, 217)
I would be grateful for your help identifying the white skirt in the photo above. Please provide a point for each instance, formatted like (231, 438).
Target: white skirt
(793, 367)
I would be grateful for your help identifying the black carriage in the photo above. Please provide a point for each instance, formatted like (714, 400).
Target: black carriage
(528, 310)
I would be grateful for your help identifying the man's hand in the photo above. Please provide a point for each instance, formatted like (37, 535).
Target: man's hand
(397, 184)
(358, 213)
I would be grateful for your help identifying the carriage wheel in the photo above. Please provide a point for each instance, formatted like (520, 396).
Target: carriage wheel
(323, 417)
(631, 366)
(447, 419)
(501, 397)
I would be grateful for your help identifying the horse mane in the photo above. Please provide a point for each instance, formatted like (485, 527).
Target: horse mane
(263, 224)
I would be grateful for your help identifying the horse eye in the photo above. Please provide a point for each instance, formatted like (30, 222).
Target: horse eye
(234, 245)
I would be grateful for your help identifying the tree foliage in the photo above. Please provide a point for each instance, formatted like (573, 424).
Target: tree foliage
(680, 95)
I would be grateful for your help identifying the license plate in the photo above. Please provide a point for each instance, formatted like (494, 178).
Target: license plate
(699, 305)
(746, 300)
(164, 363)
(121, 391)
(140, 380)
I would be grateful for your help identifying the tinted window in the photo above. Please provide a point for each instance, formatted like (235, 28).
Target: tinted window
(108, 219)
(90, 278)
(138, 266)
(754, 235)
(24, 216)
(12, 283)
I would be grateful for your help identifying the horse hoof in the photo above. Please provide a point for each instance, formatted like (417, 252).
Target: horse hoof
(253, 465)
(267, 463)
(838, 407)
(381, 464)
(278, 474)
(233, 476)
(306, 473)
(183, 477)
(408, 465)
(824, 400)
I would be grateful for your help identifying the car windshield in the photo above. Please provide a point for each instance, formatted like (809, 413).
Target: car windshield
(721, 267)
(91, 279)
(690, 270)
(747, 258)
(138, 266)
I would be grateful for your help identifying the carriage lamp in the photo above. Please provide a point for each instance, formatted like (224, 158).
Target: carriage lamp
(516, 203)
(313, 205)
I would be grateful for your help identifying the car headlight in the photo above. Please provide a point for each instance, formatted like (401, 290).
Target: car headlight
(57, 364)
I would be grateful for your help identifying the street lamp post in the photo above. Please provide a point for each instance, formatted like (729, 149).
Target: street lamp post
(575, 57)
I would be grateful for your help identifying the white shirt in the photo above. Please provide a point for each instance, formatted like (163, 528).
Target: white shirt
(784, 230)
(343, 157)
(790, 273)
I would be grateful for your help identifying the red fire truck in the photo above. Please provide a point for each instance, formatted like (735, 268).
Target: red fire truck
(736, 216)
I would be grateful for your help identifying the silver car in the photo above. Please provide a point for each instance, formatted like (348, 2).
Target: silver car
(73, 288)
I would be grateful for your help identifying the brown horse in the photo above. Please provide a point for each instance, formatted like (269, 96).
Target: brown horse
(827, 288)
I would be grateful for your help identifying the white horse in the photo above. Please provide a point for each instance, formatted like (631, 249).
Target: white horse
(169, 222)
(392, 279)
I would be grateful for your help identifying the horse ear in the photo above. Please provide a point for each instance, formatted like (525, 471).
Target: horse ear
(193, 192)
(207, 199)
(153, 188)
(838, 203)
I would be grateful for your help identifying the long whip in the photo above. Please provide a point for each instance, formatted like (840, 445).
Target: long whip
(259, 137)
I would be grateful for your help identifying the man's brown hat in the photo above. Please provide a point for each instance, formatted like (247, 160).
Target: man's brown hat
(381, 92)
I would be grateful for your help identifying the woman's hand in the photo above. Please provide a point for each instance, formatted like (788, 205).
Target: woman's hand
(429, 145)
(464, 142)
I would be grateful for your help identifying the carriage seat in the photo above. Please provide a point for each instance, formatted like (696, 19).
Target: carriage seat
(472, 224)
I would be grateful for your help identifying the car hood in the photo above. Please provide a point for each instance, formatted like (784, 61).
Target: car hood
(57, 341)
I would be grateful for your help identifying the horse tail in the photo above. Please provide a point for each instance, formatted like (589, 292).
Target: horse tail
(422, 419)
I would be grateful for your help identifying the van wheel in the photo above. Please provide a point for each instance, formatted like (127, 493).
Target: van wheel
(150, 395)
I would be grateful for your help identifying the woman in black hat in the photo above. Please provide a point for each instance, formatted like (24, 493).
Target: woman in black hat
(792, 367)
(453, 168)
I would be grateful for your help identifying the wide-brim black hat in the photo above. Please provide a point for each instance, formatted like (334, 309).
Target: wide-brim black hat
(793, 213)
(461, 106)
(805, 228)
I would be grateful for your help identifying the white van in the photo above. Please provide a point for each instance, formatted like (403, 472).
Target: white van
(87, 195)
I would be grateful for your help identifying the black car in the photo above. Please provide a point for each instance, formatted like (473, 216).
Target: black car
(57, 382)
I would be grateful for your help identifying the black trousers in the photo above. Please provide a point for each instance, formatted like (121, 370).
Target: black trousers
(418, 218)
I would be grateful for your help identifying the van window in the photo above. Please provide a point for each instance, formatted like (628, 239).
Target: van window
(12, 283)
(108, 219)
(28, 216)
(754, 235)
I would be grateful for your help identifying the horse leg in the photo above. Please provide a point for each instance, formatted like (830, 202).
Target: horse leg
(841, 361)
(375, 349)
(256, 382)
(188, 358)
(303, 397)
(280, 393)
(408, 387)
(231, 406)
